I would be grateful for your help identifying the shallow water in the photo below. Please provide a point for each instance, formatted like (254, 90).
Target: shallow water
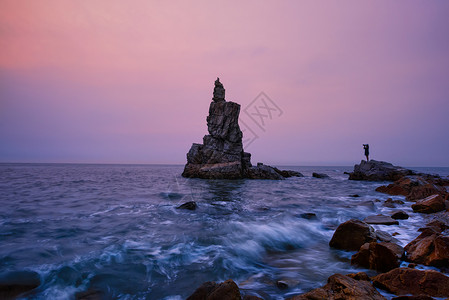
(115, 228)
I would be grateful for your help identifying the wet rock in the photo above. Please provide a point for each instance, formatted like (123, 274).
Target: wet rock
(404, 281)
(403, 186)
(227, 290)
(430, 248)
(13, 284)
(392, 203)
(374, 170)
(308, 216)
(420, 297)
(436, 225)
(384, 236)
(320, 175)
(359, 276)
(355, 195)
(399, 215)
(381, 220)
(251, 297)
(351, 235)
(431, 204)
(191, 205)
(342, 287)
(221, 154)
(381, 257)
(423, 191)
(282, 285)
(90, 295)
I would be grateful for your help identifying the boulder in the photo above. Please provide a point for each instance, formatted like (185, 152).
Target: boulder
(384, 236)
(430, 248)
(416, 187)
(426, 190)
(399, 215)
(431, 204)
(288, 173)
(191, 205)
(227, 290)
(320, 175)
(381, 257)
(380, 220)
(402, 186)
(404, 281)
(343, 287)
(359, 276)
(351, 235)
(419, 297)
(221, 154)
(16, 283)
(374, 170)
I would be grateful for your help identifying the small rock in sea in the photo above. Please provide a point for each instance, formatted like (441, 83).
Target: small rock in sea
(191, 205)
(419, 297)
(381, 220)
(351, 235)
(355, 195)
(308, 216)
(384, 236)
(412, 265)
(374, 170)
(13, 284)
(211, 290)
(381, 257)
(399, 215)
(320, 175)
(282, 285)
(90, 295)
(403, 281)
(391, 203)
(431, 204)
(396, 233)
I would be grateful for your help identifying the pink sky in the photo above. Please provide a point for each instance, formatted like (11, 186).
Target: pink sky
(131, 82)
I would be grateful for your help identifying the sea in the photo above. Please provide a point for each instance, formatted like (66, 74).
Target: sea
(116, 229)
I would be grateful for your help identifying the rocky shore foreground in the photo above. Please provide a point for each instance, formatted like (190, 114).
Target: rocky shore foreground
(221, 155)
(379, 250)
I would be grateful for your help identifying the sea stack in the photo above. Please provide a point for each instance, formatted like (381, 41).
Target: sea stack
(221, 154)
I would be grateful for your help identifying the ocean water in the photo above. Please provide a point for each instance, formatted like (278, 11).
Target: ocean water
(116, 229)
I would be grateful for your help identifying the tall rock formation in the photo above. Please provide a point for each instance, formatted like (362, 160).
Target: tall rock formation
(221, 154)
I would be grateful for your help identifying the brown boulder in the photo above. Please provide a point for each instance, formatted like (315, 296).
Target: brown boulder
(381, 257)
(431, 204)
(351, 235)
(399, 215)
(402, 186)
(227, 290)
(420, 297)
(342, 287)
(404, 281)
(429, 248)
(423, 191)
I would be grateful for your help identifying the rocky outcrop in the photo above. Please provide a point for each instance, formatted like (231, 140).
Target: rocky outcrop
(342, 287)
(431, 247)
(380, 220)
(351, 235)
(374, 170)
(227, 290)
(381, 257)
(221, 154)
(431, 204)
(404, 281)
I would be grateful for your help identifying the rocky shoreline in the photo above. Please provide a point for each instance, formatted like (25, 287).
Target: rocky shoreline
(378, 250)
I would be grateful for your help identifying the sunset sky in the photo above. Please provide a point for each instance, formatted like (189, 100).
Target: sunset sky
(131, 81)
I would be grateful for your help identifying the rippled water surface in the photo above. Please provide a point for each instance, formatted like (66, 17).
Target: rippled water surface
(116, 229)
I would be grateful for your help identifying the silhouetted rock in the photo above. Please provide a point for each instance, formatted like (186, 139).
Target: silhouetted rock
(221, 154)
(320, 175)
(431, 204)
(399, 215)
(380, 220)
(288, 173)
(378, 171)
(430, 247)
(381, 257)
(191, 205)
(210, 290)
(342, 287)
(13, 284)
(404, 281)
(351, 235)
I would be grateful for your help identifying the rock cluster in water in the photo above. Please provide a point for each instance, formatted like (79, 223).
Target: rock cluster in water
(374, 170)
(221, 155)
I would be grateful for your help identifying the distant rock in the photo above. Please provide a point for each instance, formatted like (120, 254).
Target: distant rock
(288, 173)
(399, 215)
(431, 204)
(221, 154)
(342, 287)
(191, 205)
(210, 290)
(404, 281)
(380, 220)
(381, 257)
(374, 170)
(320, 175)
(351, 235)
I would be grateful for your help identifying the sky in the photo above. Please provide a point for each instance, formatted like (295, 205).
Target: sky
(107, 81)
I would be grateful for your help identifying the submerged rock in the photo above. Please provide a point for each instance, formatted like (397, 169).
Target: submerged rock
(404, 281)
(191, 205)
(351, 235)
(221, 154)
(381, 220)
(374, 170)
(227, 290)
(381, 257)
(342, 287)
